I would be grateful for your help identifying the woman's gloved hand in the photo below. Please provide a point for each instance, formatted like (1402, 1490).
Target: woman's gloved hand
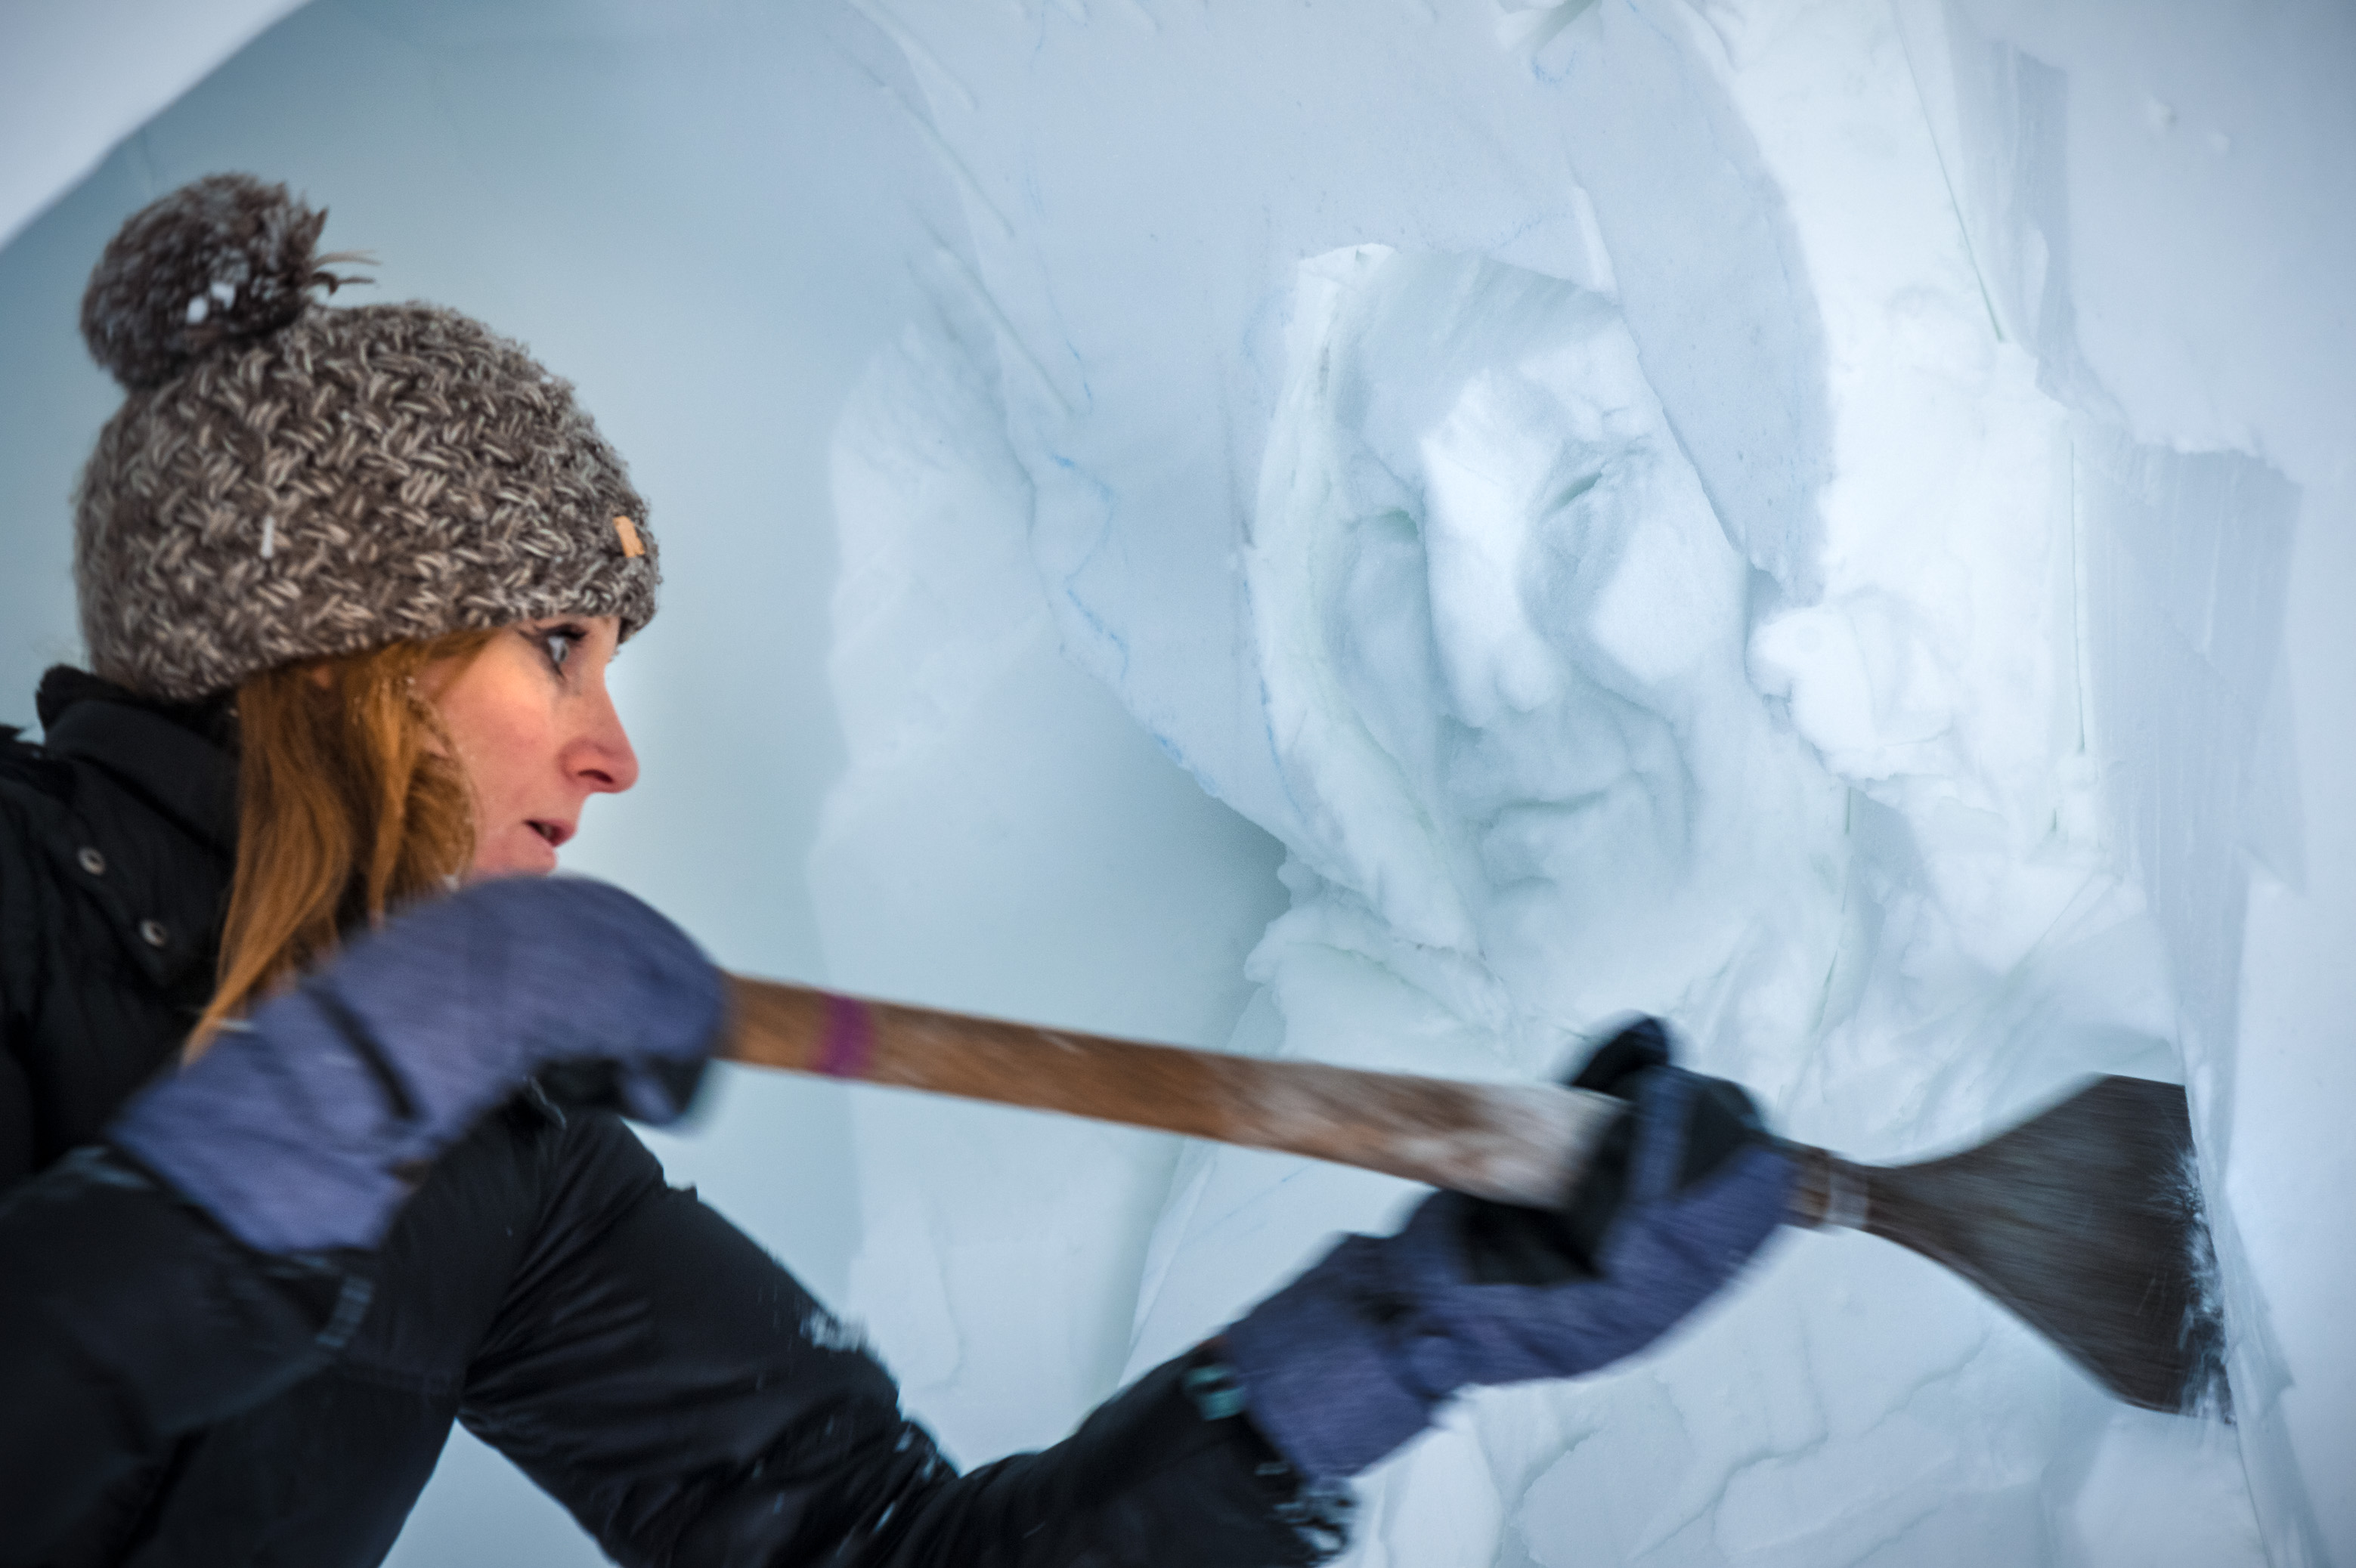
(1349, 1360)
(303, 1128)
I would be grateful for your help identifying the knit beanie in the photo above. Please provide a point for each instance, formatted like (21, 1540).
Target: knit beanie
(286, 479)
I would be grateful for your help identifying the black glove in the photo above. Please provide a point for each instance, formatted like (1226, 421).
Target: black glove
(1511, 1245)
(1348, 1362)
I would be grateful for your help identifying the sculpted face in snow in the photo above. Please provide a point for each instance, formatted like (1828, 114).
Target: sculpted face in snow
(1501, 627)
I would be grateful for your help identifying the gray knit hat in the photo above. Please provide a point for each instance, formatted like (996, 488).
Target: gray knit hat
(287, 480)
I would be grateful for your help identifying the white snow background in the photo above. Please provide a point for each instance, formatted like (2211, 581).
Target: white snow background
(1394, 533)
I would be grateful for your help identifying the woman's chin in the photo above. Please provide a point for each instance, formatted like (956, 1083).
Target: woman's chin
(519, 853)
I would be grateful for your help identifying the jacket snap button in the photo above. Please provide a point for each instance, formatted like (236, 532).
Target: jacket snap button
(153, 934)
(92, 861)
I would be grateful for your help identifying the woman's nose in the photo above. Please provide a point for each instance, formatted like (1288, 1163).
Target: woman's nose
(602, 756)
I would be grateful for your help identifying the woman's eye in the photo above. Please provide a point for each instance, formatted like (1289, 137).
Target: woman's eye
(558, 643)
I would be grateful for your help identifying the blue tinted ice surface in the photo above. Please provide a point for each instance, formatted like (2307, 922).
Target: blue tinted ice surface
(1395, 533)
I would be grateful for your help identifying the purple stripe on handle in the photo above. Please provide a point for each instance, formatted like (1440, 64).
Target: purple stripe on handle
(848, 1036)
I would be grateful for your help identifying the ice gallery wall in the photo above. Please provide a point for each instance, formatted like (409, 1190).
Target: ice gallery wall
(1393, 534)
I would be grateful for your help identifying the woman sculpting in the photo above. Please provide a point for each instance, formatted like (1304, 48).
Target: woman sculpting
(313, 1081)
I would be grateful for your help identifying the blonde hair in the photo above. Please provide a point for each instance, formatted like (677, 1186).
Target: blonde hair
(351, 801)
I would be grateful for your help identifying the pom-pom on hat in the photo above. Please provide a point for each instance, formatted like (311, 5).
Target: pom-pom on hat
(287, 479)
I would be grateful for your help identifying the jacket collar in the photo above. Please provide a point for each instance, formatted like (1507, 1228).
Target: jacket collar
(175, 754)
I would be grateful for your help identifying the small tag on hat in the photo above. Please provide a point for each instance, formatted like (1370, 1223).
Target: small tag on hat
(631, 546)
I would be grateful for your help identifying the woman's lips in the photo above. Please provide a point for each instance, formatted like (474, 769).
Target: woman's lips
(555, 833)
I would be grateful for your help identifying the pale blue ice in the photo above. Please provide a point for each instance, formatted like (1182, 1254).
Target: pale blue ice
(1393, 534)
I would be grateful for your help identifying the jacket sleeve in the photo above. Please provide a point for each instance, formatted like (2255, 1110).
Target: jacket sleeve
(15, 1118)
(127, 1319)
(678, 1390)
(19, 930)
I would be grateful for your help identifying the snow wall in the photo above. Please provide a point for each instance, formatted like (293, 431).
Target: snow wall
(1394, 533)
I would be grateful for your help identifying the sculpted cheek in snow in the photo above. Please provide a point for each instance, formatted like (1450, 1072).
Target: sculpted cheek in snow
(1865, 689)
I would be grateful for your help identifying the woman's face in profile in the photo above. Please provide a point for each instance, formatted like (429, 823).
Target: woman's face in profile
(536, 731)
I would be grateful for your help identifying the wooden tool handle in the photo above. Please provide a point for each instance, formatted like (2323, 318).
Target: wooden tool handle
(1517, 1143)
(2076, 1219)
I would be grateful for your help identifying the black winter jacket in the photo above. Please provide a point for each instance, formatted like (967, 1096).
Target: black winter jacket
(169, 1397)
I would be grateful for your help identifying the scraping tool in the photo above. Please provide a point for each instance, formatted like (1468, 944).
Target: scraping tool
(2085, 1219)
